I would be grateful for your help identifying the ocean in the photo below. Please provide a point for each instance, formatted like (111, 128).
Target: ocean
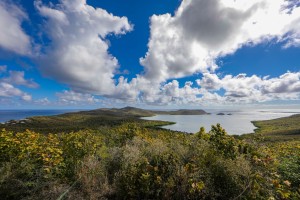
(6, 115)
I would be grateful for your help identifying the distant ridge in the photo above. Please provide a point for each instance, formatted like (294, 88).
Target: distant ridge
(138, 112)
(182, 112)
(144, 112)
(129, 109)
(93, 119)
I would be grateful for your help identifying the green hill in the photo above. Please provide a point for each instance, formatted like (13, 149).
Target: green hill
(93, 119)
(286, 128)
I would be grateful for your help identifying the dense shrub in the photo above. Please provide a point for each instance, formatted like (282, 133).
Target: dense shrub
(133, 162)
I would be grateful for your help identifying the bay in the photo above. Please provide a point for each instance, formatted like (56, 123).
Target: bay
(235, 122)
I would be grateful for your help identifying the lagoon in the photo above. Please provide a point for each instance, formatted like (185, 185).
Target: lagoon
(235, 122)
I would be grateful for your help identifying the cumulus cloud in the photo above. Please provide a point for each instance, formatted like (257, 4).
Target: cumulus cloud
(210, 82)
(171, 93)
(189, 42)
(243, 88)
(126, 91)
(78, 53)
(71, 97)
(141, 90)
(212, 89)
(203, 30)
(8, 91)
(12, 36)
(17, 78)
(44, 101)
(286, 83)
(8, 85)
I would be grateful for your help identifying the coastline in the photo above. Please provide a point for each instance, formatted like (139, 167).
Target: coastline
(238, 123)
(23, 114)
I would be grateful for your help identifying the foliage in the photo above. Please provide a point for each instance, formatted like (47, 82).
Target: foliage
(282, 129)
(140, 161)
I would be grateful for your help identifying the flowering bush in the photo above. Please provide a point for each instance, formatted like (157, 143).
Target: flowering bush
(133, 162)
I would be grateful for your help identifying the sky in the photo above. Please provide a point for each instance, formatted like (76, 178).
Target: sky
(165, 54)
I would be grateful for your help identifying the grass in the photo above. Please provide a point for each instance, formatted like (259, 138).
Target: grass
(281, 129)
(93, 120)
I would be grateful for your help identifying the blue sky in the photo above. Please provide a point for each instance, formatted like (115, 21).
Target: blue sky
(112, 53)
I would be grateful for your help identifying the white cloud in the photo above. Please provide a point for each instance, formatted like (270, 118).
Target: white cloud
(78, 54)
(8, 91)
(12, 36)
(286, 83)
(249, 89)
(203, 30)
(181, 45)
(213, 90)
(43, 101)
(26, 97)
(141, 90)
(210, 82)
(188, 42)
(126, 91)
(185, 95)
(17, 78)
(71, 97)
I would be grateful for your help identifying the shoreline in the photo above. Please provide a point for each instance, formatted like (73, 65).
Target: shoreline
(178, 124)
(27, 113)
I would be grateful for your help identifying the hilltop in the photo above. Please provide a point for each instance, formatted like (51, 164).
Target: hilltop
(182, 112)
(138, 112)
(92, 119)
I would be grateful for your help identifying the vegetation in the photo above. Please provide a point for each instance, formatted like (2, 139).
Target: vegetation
(182, 112)
(94, 119)
(282, 129)
(134, 159)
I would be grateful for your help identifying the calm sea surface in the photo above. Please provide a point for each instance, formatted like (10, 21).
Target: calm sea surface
(239, 122)
(6, 115)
